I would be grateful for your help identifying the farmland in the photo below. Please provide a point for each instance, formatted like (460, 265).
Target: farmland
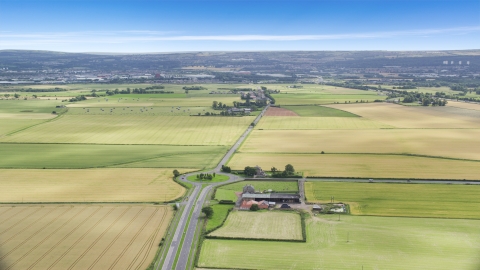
(88, 185)
(363, 165)
(220, 212)
(305, 123)
(227, 192)
(318, 111)
(76, 156)
(135, 129)
(262, 225)
(410, 200)
(81, 236)
(371, 242)
(311, 99)
(451, 143)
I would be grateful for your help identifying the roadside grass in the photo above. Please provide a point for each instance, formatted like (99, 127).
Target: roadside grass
(69, 156)
(409, 200)
(306, 123)
(216, 179)
(263, 225)
(355, 242)
(88, 185)
(388, 166)
(136, 129)
(318, 111)
(220, 212)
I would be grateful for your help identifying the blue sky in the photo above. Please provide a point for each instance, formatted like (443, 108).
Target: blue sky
(228, 25)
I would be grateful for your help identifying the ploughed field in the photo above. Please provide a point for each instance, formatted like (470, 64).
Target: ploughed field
(266, 225)
(81, 236)
(356, 241)
(88, 185)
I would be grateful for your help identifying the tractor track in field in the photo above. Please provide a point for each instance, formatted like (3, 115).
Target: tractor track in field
(12, 226)
(7, 219)
(80, 239)
(99, 237)
(116, 237)
(34, 234)
(133, 239)
(25, 228)
(61, 240)
(44, 239)
(148, 244)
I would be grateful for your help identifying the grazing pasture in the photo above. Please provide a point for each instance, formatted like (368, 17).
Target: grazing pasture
(81, 236)
(136, 129)
(261, 225)
(452, 143)
(305, 123)
(414, 116)
(30, 106)
(88, 185)
(363, 165)
(70, 156)
(409, 200)
(318, 111)
(220, 212)
(356, 241)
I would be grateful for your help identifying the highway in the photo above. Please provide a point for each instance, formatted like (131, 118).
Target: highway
(188, 229)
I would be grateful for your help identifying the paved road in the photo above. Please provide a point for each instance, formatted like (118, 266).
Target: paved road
(445, 182)
(189, 228)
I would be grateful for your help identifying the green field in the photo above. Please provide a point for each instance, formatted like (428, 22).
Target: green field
(220, 212)
(314, 98)
(136, 129)
(318, 111)
(39, 156)
(353, 242)
(409, 200)
(305, 123)
(261, 225)
(29, 106)
(227, 192)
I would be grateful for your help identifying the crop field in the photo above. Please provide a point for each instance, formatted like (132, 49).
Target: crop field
(142, 110)
(227, 192)
(261, 225)
(134, 129)
(318, 111)
(409, 200)
(355, 242)
(277, 111)
(80, 236)
(363, 165)
(464, 105)
(220, 212)
(11, 125)
(70, 156)
(88, 185)
(285, 122)
(31, 106)
(310, 99)
(452, 143)
(413, 116)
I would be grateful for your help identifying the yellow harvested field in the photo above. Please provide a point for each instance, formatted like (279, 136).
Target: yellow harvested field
(194, 101)
(454, 143)
(464, 105)
(363, 165)
(136, 129)
(109, 104)
(410, 116)
(80, 236)
(89, 185)
(26, 116)
(286, 122)
(261, 225)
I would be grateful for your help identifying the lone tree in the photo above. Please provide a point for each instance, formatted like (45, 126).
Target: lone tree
(176, 173)
(208, 211)
(249, 171)
(254, 207)
(289, 169)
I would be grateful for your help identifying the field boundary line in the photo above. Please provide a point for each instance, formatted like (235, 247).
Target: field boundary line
(99, 237)
(46, 238)
(25, 128)
(118, 236)
(61, 240)
(80, 239)
(34, 234)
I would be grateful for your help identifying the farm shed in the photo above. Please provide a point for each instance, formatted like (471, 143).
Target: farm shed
(272, 197)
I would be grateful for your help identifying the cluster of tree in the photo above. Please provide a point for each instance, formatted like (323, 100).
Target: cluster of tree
(14, 95)
(236, 90)
(194, 88)
(147, 90)
(404, 87)
(426, 99)
(208, 211)
(205, 176)
(226, 169)
(176, 173)
(77, 98)
(249, 171)
(219, 105)
(56, 89)
(289, 171)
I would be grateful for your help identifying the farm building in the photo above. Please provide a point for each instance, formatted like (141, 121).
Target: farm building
(249, 194)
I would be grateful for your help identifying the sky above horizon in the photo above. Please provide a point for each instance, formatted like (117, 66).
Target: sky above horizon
(263, 25)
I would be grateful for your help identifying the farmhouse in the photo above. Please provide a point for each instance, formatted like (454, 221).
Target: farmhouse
(249, 194)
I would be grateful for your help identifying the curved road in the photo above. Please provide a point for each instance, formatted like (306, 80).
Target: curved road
(188, 228)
